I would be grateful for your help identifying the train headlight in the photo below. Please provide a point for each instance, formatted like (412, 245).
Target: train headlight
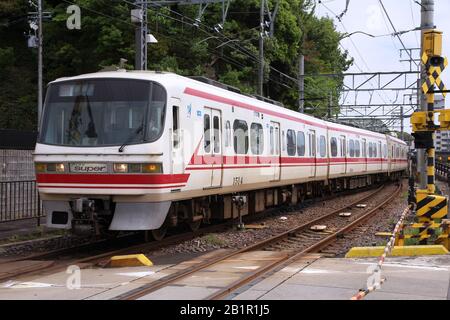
(120, 167)
(40, 167)
(134, 167)
(137, 167)
(49, 167)
(151, 168)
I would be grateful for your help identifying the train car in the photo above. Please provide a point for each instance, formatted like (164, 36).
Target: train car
(132, 150)
(442, 156)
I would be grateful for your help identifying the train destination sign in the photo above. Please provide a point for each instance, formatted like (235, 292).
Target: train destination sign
(88, 167)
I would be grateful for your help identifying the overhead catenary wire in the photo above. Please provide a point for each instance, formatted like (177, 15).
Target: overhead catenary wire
(232, 42)
(414, 22)
(395, 31)
(356, 49)
(220, 55)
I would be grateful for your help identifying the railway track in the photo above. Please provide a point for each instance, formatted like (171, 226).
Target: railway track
(82, 255)
(295, 243)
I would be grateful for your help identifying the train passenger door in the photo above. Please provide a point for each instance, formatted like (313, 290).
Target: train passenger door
(176, 136)
(364, 153)
(212, 127)
(312, 152)
(275, 141)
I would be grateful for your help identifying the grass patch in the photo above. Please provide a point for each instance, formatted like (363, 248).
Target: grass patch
(213, 239)
(37, 234)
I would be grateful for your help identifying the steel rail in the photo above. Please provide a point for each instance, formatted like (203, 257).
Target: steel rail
(313, 248)
(162, 282)
(102, 258)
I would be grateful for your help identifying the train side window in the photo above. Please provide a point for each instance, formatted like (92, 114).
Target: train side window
(240, 136)
(300, 143)
(363, 148)
(370, 150)
(375, 152)
(271, 140)
(227, 133)
(333, 147)
(351, 147)
(216, 134)
(277, 141)
(357, 149)
(256, 138)
(312, 144)
(175, 126)
(207, 133)
(323, 146)
(291, 141)
(384, 151)
(283, 140)
(343, 146)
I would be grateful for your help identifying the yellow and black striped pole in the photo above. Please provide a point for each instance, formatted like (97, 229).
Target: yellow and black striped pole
(430, 206)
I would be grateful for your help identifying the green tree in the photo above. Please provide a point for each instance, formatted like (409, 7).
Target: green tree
(230, 56)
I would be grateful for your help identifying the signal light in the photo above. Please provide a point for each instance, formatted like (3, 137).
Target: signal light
(436, 61)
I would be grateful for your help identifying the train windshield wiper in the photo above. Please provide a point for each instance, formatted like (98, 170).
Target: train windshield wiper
(131, 137)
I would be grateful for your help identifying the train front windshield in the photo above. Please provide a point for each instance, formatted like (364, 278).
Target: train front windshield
(103, 112)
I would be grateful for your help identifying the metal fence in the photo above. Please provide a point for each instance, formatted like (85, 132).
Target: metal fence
(19, 200)
(16, 165)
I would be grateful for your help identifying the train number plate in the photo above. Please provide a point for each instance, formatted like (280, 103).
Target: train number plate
(88, 167)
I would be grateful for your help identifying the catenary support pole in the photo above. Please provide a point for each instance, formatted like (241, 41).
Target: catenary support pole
(261, 50)
(426, 22)
(40, 53)
(301, 83)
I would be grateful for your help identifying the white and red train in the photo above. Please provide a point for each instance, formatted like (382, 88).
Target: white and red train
(146, 150)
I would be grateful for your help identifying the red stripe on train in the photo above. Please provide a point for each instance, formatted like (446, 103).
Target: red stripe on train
(112, 178)
(110, 187)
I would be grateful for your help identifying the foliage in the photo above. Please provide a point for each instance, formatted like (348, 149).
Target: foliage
(230, 56)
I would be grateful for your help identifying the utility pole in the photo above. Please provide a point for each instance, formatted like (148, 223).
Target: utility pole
(301, 83)
(40, 44)
(330, 103)
(401, 122)
(426, 22)
(261, 50)
(139, 17)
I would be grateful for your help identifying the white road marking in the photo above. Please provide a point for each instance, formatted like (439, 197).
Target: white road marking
(247, 267)
(136, 274)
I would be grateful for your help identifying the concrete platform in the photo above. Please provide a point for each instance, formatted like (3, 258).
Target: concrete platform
(311, 277)
(418, 278)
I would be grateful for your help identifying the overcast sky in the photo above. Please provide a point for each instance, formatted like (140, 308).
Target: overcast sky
(382, 53)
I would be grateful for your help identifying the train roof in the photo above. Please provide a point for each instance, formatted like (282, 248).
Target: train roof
(167, 80)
